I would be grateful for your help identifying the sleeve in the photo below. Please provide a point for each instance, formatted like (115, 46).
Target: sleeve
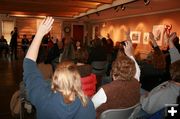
(174, 54)
(138, 71)
(99, 98)
(156, 99)
(35, 84)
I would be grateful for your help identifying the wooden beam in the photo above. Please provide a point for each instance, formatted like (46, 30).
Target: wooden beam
(59, 3)
(55, 14)
(41, 9)
(98, 1)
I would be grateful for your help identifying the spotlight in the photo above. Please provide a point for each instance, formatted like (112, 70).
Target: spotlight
(87, 16)
(146, 2)
(97, 13)
(116, 8)
(123, 7)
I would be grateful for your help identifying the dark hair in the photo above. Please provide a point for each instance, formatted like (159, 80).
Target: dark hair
(175, 71)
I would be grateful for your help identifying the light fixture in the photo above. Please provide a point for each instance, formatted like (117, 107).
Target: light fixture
(146, 2)
(97, 13)
(123, 7)
(87, 16)
(116, 8)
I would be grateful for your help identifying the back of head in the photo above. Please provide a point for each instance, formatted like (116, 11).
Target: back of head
(66, 80)
(123, 68)
(175, 71)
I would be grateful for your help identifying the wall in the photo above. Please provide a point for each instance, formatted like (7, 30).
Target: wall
(145, 23)
(29, 26)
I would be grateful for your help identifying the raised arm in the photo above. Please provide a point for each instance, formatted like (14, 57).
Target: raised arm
(129, 51)
(43, 29)
(174, 54)
(153, 41)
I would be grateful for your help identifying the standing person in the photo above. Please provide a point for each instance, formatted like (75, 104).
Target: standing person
(25, 43)
(65, 98)
(13, 43)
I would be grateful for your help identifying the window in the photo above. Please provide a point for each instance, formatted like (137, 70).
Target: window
(7, 27)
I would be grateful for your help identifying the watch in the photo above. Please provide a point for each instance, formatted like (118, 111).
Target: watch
(67, 29)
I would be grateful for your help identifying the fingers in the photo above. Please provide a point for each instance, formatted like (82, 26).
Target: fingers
(151, 36)
(48, 21)
(172, 36)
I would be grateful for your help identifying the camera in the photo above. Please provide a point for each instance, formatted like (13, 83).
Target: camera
(123, 43)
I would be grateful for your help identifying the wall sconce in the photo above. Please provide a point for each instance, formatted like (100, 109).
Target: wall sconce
(146, 2)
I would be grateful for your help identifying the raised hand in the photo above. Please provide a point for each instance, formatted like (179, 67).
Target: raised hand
(171, 38)
(45, 26)
(128, 34)
(153, 41)
(128, 48)
(43, 29)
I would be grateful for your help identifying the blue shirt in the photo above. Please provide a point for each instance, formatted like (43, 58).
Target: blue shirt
(51, 105)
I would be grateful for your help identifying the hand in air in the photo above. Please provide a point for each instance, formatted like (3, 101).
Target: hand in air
(172, 37)
(45, 26)
(128, 48)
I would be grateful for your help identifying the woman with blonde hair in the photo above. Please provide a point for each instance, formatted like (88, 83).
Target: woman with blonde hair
(64, 99)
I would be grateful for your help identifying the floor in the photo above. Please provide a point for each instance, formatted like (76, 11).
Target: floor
(10, 77)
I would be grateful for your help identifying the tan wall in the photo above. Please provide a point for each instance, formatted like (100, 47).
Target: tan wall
(29, 26)
(141, 23)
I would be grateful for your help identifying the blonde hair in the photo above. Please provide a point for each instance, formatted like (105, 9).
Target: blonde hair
(66, 80)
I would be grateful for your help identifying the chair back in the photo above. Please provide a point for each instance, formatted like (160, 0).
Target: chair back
(99, 67)
(118, 113)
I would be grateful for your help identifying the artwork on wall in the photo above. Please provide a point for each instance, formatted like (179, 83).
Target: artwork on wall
(146, 38)
(158, 33)
(135, 36)
(95, 31)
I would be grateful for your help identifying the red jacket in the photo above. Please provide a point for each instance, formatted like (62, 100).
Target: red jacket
(89, 84)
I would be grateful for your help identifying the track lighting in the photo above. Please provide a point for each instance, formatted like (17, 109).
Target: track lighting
(146, 2)
(116, 8)
(123, 7)
(97, 13)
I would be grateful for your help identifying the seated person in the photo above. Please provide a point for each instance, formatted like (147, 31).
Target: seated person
(153, 68)
(64, 99)
(124, 90)
(4, 45)
(165, 93)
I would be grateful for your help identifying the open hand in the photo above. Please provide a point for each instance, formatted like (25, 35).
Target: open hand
(172, 36)
(153, 41)
(128, 49)
(45, 26)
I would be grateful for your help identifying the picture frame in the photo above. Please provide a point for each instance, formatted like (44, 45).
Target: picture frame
(135, 36)
(146, 38)
(158, 33)
(95, 31)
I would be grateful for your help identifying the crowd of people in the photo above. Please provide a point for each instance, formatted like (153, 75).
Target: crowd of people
(151, 83)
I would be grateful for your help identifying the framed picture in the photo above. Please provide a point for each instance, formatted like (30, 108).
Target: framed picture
(135, 36)
(146, 38)
(158, 33)
(95, 31)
